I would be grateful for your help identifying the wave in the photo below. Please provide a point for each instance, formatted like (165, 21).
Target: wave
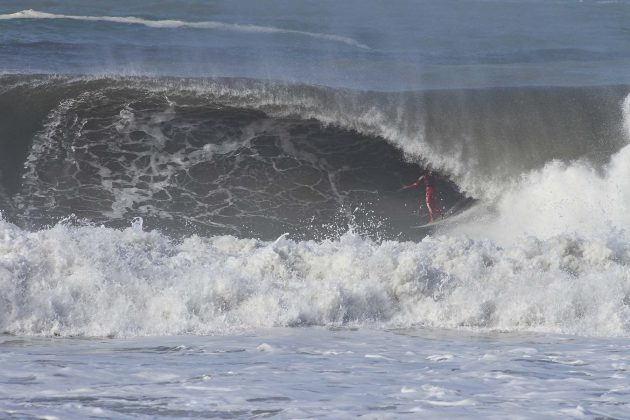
(210, 164)
(245, 157)
(110, 151)
(95, 281)
(173, 23)
(482, 138)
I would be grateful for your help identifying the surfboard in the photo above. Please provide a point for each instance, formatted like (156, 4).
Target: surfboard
(433, 224)
(449, 215)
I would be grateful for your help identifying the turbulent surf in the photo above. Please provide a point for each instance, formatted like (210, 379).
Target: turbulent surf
(197, 171)
(274, 204)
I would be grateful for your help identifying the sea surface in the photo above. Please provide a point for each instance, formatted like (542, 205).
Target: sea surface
(201, 212)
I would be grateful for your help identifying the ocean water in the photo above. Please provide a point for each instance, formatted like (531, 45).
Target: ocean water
(317, 373)
(201, 212)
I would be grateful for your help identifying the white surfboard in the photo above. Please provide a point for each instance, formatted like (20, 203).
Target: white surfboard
(451, 215)
(432, 224)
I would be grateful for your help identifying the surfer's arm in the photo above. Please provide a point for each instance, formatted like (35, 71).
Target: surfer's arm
(415, 184)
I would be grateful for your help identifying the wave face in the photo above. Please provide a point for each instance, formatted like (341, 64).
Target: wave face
(219, 169)
(247, 158)
(195, 162)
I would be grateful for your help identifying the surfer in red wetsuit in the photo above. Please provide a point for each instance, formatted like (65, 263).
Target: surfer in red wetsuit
(429, 194)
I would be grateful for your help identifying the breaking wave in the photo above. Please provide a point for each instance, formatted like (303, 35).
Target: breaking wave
(173, 23)
(220, 170)
(105, 282)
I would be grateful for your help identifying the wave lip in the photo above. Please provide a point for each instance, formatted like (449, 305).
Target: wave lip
(174, 23)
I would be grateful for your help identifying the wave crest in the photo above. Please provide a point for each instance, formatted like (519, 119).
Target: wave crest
(173, 23)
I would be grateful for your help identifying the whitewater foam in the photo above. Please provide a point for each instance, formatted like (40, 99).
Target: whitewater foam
(173, 23)
(96, 281)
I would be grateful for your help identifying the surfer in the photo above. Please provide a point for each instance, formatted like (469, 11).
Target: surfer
(429, 194)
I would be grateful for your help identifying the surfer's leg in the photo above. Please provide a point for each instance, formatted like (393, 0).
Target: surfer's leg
(436, 209)
(420, 210)
(428, 203)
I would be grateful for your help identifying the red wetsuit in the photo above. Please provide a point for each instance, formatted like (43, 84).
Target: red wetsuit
(429, 196)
